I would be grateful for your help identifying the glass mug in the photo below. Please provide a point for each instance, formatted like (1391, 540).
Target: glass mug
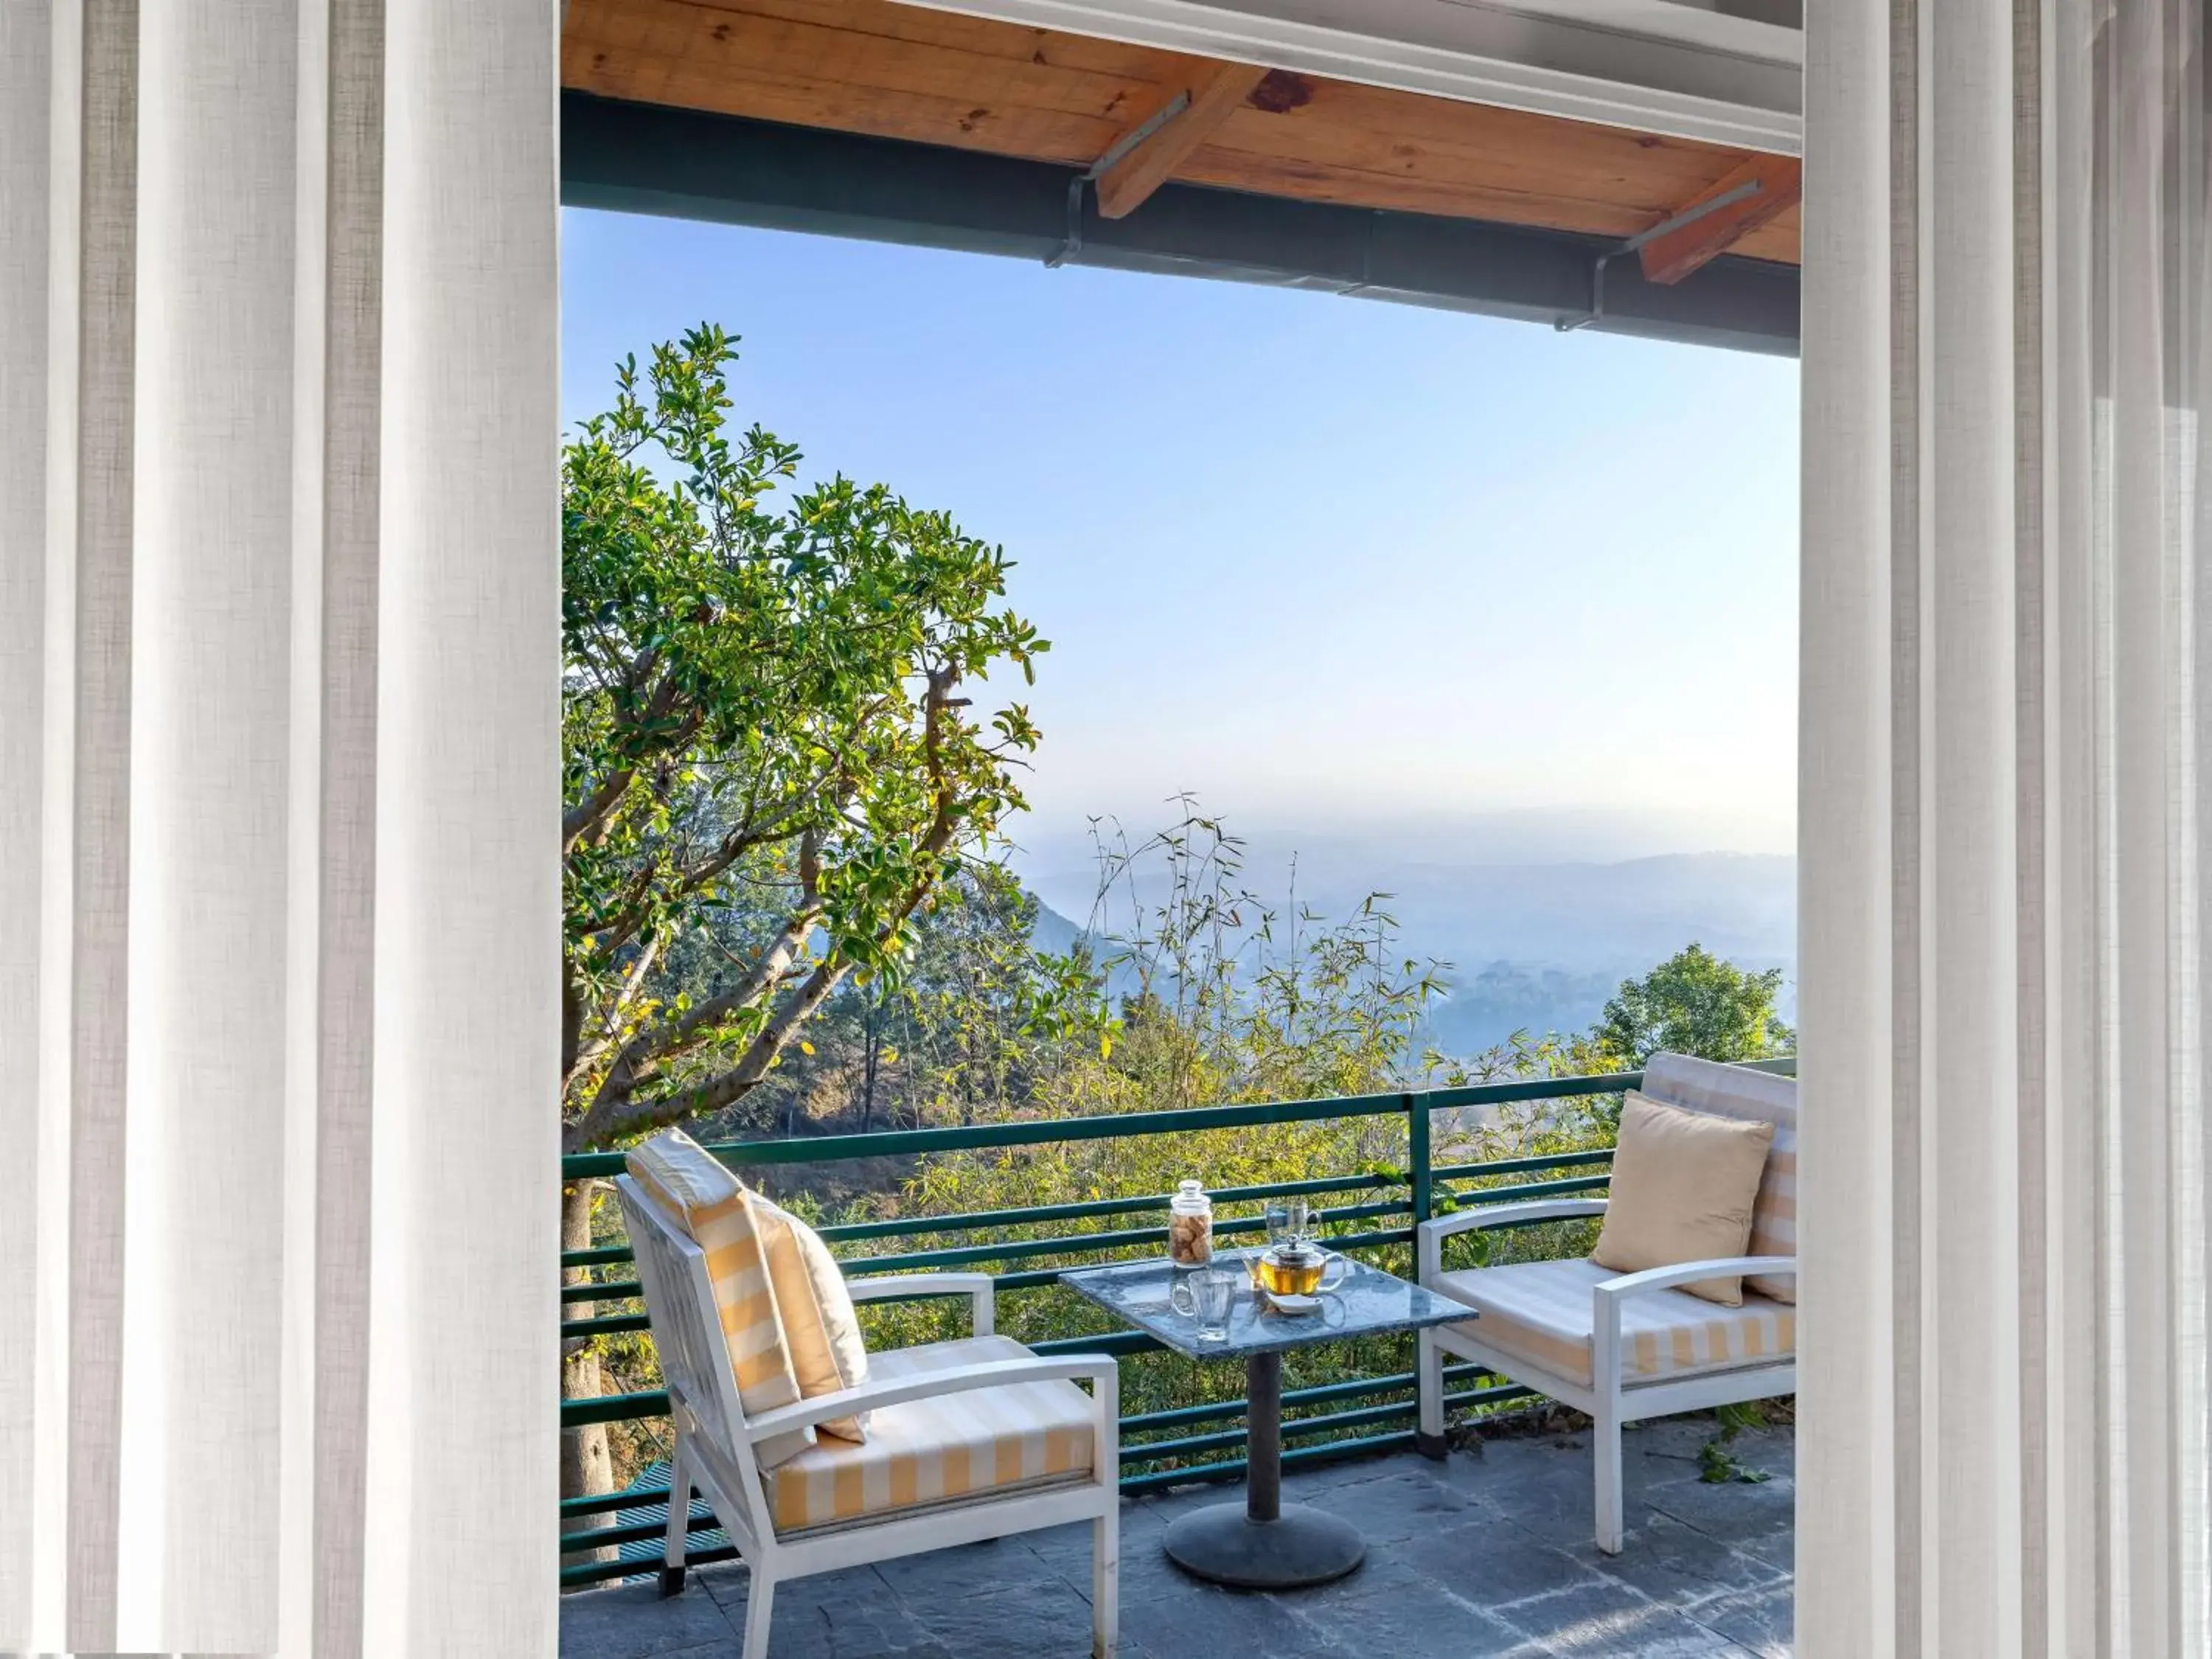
(1214, 1291)
(1292, 1220)
(1295, 1270)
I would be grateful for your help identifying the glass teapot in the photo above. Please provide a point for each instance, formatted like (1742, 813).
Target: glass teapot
(1298, 1267)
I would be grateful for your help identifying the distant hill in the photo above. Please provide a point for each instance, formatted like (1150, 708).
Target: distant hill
(1542, 946)
(1056, 935)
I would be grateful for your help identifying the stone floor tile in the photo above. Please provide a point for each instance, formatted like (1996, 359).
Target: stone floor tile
(1042, 1620)
(1403, 1505)
(1759, 1621)
(1416, 1619)
(1605, 1617)
(1672, 1562)
(1736, 1512)
(968, 1569)
(1213, 1622)
(636, 1621)
(1493, 1566)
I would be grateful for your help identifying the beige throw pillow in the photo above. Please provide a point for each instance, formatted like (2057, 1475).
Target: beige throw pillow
(819, 1322)
(1683, 1185)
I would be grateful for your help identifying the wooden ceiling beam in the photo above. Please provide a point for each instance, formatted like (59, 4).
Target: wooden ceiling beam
(1123, 186)
(1781, 184)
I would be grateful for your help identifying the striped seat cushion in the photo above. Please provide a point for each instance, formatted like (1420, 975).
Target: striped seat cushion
(1544, 1312)
(1774, 1213)
(1706, 1086)
(928, 1453)
(706, 1201)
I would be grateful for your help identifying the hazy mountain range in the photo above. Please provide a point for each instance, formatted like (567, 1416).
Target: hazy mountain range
(1531, 944)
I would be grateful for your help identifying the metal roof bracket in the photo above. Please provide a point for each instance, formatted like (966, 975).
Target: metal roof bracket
(1072, 244)
(1688, 217)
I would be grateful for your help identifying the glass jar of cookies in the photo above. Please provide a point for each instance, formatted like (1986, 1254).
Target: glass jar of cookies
(1190, 1226)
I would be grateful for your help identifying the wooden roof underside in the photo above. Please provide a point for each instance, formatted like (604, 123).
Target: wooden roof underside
(901, 72)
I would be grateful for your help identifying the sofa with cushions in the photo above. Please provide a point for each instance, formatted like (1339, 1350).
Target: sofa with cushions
(817, 1454)
(1688, 1300)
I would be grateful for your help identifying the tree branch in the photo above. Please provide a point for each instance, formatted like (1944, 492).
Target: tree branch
(617, 1111)
(611, 1018)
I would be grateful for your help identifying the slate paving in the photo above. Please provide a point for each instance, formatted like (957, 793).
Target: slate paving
(1487, 1553)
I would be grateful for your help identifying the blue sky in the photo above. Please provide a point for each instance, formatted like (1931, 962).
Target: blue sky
(1331, 564)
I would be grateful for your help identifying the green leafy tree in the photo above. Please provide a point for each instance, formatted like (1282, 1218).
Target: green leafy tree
(762, 724)
(1694, 1003)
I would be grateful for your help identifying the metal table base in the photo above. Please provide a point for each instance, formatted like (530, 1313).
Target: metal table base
(1264, 1543)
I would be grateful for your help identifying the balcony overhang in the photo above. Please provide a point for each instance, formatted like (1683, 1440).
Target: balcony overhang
(989, 133)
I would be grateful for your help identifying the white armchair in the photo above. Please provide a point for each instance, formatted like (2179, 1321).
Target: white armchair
(840, 1505)
(1620, 1347)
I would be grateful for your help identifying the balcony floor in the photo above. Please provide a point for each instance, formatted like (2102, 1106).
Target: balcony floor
(1487, 1554)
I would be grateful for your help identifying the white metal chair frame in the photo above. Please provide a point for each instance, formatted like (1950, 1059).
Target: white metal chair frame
(1610, 1399)
(714, 1439)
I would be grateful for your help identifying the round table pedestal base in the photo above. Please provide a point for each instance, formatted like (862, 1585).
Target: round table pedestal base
(1225, 1545)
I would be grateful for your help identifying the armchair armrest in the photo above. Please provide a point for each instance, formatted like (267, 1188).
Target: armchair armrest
(1688, 1272)
(1099, 1369)
(1606, 1300)
(979, 1288)
(1429, 1238)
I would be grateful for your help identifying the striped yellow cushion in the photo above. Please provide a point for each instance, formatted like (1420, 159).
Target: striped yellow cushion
(1543, 1311)
(1774, 1213)
(937, 1451)
(708, 1202)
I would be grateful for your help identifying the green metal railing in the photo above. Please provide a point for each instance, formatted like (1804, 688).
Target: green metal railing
(1404, 1199)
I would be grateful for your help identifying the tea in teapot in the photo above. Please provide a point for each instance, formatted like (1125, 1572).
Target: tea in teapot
(1297, 1268)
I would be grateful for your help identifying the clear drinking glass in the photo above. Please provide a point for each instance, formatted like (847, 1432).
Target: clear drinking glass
(1215, 1293)
(1277, 1218)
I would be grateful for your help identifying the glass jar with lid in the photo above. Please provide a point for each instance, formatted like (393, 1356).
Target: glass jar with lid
(1190, 1226)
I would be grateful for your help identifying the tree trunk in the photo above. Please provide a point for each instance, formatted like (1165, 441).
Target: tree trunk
(587, 1462)
(869, 1048)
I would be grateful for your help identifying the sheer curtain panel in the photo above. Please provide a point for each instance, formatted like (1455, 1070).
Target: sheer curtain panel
(2005, 839)
(278, 892)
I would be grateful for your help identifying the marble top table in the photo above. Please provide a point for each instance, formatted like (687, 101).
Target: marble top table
(1264, 1543)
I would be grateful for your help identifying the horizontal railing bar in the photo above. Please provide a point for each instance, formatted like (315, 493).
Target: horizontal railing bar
(602, 1256)
(606, 1325)
(1482, 1195)
(1505, 1166)
(1081, 1243)
(1352, 1390)
(904, 1226)
(607, 1293)
(590, 1572)
(1527, 1089)
(1025, 1132)
(587, 1409)
(1115, 1343)
(1564, 1088)
(1233, 1469)
(1304, 1428)
(634, 1532)
(600, 1502)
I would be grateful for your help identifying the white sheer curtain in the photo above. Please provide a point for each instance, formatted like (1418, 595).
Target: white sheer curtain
(278, 759)
(2006, 843)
